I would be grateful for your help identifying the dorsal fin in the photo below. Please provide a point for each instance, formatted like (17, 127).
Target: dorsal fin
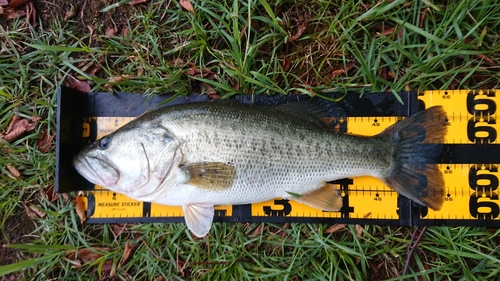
(316, 111)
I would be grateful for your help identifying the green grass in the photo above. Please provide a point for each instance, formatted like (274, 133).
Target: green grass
(244, 46)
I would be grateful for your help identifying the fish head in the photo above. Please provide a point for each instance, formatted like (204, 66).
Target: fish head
(133, 160)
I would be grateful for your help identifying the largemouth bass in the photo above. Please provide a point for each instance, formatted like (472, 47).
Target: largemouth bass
(198, 155)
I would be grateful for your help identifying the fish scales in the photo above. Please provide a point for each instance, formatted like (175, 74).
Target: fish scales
(273, 154)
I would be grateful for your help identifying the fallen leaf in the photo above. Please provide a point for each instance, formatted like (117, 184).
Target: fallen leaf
(19, 127)
(13, 170)
(65, 196)
(31, 124)
(177, 62)
(341, 69)
(15, 119)
(336, 227)
(423, 15)
(111, 31)
(37, 211)
(286, 64)
(209, 90)
(126, 253)
(299, 33)
(91, 31)
(16, 3)
(86, 255)
(385, 32)
(204, 73)
(108, 267)
(186, 4)
(69, 14)
(49, 193)
(117, 229)
(80, 209)
(11, 14)
(82, 86)
(135, 2)
(29, 212)
(486, 59)
(117, 79)
(44, 143)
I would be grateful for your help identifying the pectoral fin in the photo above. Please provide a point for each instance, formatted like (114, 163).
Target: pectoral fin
(214, 176)
(326, 198)
(199, 218)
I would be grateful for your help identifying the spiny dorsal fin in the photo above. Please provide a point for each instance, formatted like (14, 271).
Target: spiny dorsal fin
(317, 111)
(214, 176)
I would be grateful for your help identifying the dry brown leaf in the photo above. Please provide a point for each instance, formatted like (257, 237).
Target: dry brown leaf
(86, 255)
(209, 90)
(359, 230)
(91, 31)
(177, 62)
(44, 143)
(69, 14)
(29, 212)
(111, 31)
(423, 15)
(186, 4)
(82, 86)
(80, 209)
(126, 253)
(286, 64)
(37, 211)
(341, 70)
(19, 127)
(13, 170)
(385, 32)
(116, 79)
(11, 14)
(65, 196)
(135, 2)
(300, 31)
(204, 73)
(16, 3)
(486, 59)
(334, 228)
(49, 193)
(15, 119)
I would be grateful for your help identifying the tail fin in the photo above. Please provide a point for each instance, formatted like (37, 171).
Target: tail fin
(414, 172)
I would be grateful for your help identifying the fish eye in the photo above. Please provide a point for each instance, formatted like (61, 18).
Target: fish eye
(104, 143)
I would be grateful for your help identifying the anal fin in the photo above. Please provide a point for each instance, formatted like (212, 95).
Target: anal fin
(199, 218)
(327, 198)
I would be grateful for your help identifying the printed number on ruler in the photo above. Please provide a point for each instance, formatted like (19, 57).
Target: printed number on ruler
(472, 120)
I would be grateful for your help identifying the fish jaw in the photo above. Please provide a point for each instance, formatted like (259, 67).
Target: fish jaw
(88, 167)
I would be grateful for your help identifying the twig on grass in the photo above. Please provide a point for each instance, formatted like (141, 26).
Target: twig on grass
(412, 246)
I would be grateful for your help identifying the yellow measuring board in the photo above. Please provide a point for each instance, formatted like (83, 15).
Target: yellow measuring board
(471, 188)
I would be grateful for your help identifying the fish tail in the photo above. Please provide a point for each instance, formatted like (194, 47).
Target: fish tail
(417, 143)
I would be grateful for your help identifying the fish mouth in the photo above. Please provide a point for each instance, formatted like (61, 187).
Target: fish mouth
(96, 170)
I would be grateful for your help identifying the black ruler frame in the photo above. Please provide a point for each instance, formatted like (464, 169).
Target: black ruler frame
(74, 107)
